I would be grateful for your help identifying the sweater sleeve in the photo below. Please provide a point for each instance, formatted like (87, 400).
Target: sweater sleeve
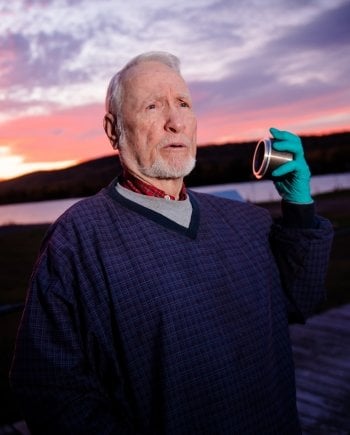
(53, 378)
(302, 255)
(298, 215)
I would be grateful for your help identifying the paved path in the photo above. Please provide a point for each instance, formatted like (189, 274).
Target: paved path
(321, 350)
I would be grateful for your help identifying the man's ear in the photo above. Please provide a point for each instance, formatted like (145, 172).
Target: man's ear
(110, 126)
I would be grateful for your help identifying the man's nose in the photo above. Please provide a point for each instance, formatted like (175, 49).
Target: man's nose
(174, 122)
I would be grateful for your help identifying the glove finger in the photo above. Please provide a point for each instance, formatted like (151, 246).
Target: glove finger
(284, 169)
(292, 146)
(282, 134)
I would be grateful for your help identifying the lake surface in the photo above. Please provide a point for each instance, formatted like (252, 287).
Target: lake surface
(253, 191)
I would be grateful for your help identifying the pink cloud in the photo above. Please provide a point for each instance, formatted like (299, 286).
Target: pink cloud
(76, 134)
(71, 134)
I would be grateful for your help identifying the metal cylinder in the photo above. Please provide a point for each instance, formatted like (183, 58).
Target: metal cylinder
(266, 159)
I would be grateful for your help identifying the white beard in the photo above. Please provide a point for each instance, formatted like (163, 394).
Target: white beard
(169, 169)
(173, 167)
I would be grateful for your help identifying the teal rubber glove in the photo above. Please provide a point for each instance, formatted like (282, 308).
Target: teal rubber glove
(292, 179)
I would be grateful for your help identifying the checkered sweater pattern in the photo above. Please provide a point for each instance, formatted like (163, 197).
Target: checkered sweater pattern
(136, 325)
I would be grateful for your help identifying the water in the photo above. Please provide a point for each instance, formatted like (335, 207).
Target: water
(254, 191)
(34, 212)
(264, 190)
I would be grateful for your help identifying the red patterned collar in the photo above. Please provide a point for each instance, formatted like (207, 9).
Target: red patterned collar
(129, 181)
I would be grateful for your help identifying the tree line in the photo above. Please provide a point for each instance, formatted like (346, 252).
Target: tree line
(216, 164)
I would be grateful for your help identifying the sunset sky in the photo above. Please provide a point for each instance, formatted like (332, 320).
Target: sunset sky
(250, 64)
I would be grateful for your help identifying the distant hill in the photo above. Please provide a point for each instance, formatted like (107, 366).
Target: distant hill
(76, 181)
(216, 164)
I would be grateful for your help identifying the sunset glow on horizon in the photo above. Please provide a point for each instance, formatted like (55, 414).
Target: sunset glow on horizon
(56, 59)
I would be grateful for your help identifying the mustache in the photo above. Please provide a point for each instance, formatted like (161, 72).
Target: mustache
(172, 140)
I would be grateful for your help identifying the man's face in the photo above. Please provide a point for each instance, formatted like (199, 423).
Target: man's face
(159, 139)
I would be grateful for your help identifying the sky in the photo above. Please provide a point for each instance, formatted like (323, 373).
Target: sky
(250, 65)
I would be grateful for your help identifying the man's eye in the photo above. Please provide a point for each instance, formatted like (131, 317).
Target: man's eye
(151, 106)
(184, 104)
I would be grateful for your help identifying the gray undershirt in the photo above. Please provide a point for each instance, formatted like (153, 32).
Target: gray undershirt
(177, 211)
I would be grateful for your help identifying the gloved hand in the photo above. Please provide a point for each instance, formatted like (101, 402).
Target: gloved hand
(292, 179)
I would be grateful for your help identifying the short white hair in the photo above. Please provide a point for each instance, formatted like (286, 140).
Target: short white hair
(114, 96)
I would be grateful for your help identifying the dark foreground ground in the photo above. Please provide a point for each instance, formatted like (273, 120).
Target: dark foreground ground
(19, 246)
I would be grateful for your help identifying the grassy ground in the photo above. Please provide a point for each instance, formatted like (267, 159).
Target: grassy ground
(19, 246)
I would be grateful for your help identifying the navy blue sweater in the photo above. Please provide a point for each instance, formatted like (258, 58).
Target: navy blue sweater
(136, 325)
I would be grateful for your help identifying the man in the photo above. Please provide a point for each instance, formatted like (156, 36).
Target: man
(157, 310)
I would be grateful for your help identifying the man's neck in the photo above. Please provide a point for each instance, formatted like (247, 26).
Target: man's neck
(172, 188)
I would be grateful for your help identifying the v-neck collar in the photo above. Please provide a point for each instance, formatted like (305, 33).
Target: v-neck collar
(190, 232)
